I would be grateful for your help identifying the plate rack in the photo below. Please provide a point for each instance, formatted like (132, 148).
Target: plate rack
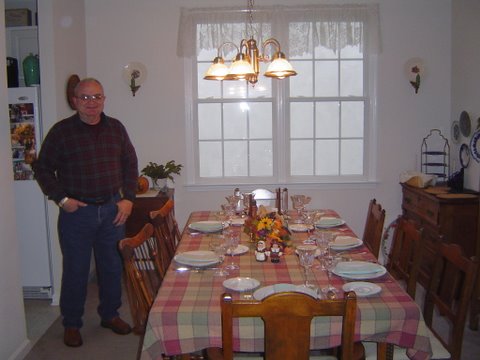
(436, 155)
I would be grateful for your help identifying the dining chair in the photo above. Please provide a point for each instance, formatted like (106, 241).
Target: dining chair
(448, 295)
(446, 303)
(166, 231)
(406, 253)
(143, 274)
(287, 318)
(372, 234)
(277, 198)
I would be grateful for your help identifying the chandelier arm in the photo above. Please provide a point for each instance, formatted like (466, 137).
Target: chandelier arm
(271, 41)
(222, 48)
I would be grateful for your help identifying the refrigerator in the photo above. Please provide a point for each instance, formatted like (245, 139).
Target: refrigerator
(30, 203)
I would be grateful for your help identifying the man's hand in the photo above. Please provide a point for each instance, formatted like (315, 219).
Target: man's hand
(124, 211)
(72, 205)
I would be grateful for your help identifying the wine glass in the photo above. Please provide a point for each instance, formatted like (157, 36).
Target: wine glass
(329, 261)
(232, 239)
(219, 247)
(323, 240)
(299, 202)
(306, 256)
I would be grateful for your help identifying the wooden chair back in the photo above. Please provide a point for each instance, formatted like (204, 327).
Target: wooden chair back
(287, 317)
(406, 253)
(166, 231)
(143, 275)
(277, 198)
(372, 234)
(449, 293)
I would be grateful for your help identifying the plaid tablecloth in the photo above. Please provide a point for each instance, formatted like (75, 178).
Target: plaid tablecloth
(185, 316)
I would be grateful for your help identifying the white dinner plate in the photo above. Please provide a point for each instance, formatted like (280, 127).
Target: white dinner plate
(328, 222)
(207, 226)
(239, 250)
(300, 227)
(359, 270)
(265, 291)
(345, 243)
(362, 288)
(197, 258)
(241, 283)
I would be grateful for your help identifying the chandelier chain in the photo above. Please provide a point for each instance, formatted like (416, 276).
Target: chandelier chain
(250, 17)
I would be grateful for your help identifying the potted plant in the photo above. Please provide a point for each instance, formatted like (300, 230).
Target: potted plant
(157, 172)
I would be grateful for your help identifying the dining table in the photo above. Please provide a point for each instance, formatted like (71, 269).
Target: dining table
(186, 316)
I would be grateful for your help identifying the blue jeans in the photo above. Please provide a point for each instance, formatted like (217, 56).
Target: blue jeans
(90, 227)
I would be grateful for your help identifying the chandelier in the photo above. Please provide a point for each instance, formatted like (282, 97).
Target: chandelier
(246, 64)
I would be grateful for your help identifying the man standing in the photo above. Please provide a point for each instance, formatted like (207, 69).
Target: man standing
(88, 166)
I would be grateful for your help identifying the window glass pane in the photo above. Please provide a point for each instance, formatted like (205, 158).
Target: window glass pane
(210, 159)
(209, 121)
(351, 78)
(260, 120)
(351, 52)
(322, 52)
(326, 78)
(301, 157)
(301, 120)
(261, 158)
(327, 119)
(207, 88)
(234, 89)
(234, 121)
(302, 83)
(352, 119)
(326, 157)
(236, 159)
(352, 157)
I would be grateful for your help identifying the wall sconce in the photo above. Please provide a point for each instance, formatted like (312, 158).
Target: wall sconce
(134, 74)
(415, 72)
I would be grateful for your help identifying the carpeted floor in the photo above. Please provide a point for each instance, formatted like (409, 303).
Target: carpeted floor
(98, 342)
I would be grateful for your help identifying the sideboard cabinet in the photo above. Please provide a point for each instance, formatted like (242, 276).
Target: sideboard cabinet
(452, 218)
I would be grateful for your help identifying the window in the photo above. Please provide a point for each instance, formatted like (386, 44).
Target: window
(316, 127)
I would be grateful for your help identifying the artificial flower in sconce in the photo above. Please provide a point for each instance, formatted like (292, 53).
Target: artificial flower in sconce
(134, 74)
(415, 72)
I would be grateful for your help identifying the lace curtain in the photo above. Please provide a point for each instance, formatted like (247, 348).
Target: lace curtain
(335, 26)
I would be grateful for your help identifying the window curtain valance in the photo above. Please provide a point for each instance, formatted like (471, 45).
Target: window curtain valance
(336, 26)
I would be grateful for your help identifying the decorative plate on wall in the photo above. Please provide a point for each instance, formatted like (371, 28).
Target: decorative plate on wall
(475, 146)
(465, 124)
(455, 132)
(464, 155)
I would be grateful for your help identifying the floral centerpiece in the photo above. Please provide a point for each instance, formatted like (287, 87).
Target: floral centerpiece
(269, 227)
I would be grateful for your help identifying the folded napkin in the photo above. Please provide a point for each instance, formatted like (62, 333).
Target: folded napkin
(345, 241)
(357, 267)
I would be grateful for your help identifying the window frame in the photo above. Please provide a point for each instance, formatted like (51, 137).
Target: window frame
(281, 134)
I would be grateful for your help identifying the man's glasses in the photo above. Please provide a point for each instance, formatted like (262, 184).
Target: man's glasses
(96, 97)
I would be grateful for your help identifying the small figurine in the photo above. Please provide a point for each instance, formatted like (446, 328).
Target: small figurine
(260, 251)
(275, 252)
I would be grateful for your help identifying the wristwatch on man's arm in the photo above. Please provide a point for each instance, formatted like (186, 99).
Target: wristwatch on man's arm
(62, 202)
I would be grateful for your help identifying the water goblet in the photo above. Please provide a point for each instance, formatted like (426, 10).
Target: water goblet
(232, 239)
(329, 261)
(219, 247)
(299, 202)
(306, 256)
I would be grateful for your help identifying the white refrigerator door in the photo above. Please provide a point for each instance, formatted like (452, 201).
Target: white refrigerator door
(30, 203)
